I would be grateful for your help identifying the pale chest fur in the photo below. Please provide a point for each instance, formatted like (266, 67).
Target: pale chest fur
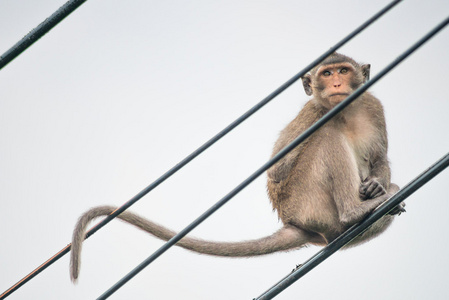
(361, 136)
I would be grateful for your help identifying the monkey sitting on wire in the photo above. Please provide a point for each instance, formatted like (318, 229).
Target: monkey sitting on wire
(330, 182)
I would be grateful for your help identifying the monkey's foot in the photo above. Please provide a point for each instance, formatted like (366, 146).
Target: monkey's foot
(297, 267)
(398, 210)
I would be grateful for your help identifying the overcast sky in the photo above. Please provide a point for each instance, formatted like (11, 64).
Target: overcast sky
(121, 91)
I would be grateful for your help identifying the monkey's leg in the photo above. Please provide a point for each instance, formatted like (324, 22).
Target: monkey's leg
(382, 224)
(371, 188)
(374, 230)
(355, 213)
(398, 210)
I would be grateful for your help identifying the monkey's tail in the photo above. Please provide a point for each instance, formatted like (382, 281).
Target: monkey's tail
(288, 237)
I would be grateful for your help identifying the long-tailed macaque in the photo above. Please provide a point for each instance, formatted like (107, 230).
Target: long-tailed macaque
(331, 181)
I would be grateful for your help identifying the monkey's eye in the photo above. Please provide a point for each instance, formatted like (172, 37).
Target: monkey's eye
(344, 70)
(327, 73)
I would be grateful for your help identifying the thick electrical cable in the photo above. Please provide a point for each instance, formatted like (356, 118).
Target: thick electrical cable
(39, 31)
(201, 149)
(356, 229)
(272, 161)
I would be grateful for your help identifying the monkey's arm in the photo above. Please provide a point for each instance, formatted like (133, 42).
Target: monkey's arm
(306, 117)
(376, 185)
(281, 169)
(345, 187)
(378, 181)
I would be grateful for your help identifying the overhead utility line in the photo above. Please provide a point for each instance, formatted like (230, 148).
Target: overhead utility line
(201, 149)
(39, 31)
(273, 160)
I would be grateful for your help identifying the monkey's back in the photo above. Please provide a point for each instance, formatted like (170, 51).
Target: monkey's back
(308, 199)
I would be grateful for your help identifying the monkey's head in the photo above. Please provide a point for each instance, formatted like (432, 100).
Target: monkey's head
(335, 79)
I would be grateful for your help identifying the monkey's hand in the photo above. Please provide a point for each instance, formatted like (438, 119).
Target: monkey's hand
(371, 188)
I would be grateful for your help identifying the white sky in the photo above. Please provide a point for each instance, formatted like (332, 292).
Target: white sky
(119, 92)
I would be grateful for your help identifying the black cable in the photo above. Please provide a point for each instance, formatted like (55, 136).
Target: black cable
(356, 229)
(201, 149)
(39, 31)
(272, 161)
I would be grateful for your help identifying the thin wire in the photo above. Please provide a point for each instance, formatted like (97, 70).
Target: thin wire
(272, 161)
(39, 31)
(357, 229)
(201, 149)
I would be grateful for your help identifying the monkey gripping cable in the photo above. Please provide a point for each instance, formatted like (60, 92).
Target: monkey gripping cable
(272, 161)
(356, 229)
(11, 54)
(382, 210)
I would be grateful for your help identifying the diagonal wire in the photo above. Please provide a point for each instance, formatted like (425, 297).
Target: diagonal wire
(39, 31)
(201, 149)
(272, 161)
(356, 229)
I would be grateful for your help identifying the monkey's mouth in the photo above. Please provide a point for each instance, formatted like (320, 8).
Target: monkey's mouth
(339, 94)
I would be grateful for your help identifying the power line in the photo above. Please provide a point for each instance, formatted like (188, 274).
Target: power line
(272, 161)
(201, 149)
(39, 31)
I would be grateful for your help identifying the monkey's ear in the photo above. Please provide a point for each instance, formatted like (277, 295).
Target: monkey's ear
(306, 82)
(365, 71)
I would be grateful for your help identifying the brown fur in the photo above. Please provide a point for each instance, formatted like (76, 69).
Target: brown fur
(316, 189)
(319, 186)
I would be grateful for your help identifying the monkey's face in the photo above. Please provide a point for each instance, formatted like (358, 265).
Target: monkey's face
(334, 83)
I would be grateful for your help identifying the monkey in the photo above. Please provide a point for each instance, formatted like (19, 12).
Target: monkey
(331, 181)
(340, 174)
